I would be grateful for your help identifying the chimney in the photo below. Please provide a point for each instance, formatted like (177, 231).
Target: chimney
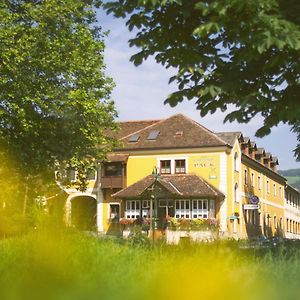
(245, 145)
(274, 163)
(253, 149)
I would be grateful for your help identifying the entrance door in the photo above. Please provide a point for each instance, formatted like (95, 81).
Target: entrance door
(165, 208)
(114, 214)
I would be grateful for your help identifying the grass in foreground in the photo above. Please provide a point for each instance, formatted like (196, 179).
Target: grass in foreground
(70, 265)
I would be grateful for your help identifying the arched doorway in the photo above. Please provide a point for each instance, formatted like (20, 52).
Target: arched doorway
(84, 212)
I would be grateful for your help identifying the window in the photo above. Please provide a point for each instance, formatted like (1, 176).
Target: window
(71, 174)
(114, 212)
(113, 169)
(259, 182)
(165, 166)
(212, 210)
(180, 166)
(287, 225)
(275, 222)
(268, 220)
(268, 187)
(236, 187)
(153, 135)
(182, 209)
(274, 189)
(91, 175)
(200, 209)
(133, 138)
(280, 223)
(252, 179)
(280, 192)
(146, 208)
(132, 209)
(236, 161)
(146, 204)
(245, 177)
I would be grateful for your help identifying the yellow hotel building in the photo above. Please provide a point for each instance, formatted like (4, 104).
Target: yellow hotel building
(202, 175)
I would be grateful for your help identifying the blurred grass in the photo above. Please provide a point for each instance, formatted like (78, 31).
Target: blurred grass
(66, 265)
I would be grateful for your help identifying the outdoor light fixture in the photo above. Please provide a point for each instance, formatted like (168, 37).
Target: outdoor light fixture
(153, 199)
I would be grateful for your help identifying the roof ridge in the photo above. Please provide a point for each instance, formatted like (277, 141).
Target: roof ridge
(136, 121)
(228, 132)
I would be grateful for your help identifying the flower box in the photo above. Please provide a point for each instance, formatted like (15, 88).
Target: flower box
(192, 224)
(174, 236)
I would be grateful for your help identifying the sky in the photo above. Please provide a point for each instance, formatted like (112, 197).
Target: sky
(140, 93)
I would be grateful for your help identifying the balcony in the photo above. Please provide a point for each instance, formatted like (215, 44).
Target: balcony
(113, 182)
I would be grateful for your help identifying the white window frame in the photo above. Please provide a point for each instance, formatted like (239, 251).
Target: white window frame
(280, 192)
(275, 222)
(245, 177)
(180, 168)
(259, 182)
(172, 159)
(236, 193)
(252, 180)
(109, 207)
(160, 168)
(131, 212)
(182, 212)
(235, 161)
(199, 212)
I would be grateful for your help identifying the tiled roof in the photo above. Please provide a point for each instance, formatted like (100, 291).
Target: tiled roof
(117, 157)
(177, 131)
(183, 185)
(129, 127)
(229, 137)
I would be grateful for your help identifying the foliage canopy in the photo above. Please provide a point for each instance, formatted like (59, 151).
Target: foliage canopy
(244, 54)
(54, 96)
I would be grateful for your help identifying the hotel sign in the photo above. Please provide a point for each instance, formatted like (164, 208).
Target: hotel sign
(251, 206)
(208, 163)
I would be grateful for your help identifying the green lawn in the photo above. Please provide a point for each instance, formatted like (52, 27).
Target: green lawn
(69, 265)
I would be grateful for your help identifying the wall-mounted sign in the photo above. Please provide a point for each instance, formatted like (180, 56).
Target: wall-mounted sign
(207, 163)
(254, 199)
(251, 206)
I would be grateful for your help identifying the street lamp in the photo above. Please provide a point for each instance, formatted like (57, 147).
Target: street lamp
(153, 199)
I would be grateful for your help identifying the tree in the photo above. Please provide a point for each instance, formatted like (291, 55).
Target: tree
(244, 54)
(55, 102)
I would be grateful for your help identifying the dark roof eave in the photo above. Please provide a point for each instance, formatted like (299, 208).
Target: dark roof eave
(174, 196)
(246, 157)
(164, 148)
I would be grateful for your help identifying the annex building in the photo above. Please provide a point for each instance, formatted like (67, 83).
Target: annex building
(198, 175)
